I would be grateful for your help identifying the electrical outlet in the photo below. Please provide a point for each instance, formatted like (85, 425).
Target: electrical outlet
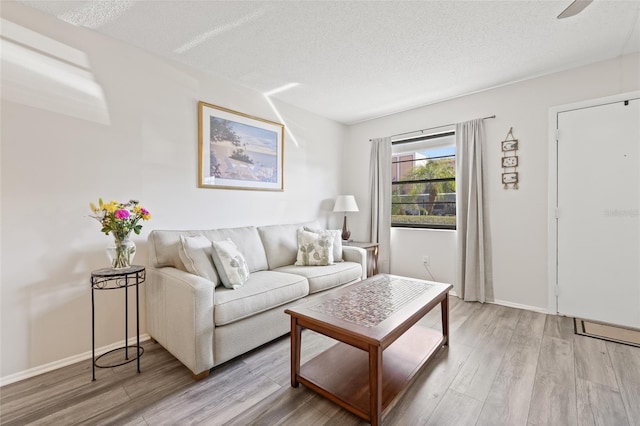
(426, 260)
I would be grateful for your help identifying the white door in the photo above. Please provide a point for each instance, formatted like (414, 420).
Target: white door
(598, 270)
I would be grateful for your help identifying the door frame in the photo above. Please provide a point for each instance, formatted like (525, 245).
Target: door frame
(552, 185)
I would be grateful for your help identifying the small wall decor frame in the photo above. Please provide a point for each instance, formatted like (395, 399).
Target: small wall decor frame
(510, 145)
(510, 177)
(509, 161)
(239, 151)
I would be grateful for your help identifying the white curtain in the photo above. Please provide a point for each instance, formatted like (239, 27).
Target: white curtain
(474, 256)
(380, 177)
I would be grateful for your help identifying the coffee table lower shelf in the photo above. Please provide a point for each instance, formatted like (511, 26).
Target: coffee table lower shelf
(341, 373)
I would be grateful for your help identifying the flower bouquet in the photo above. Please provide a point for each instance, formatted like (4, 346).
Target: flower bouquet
(120, 219)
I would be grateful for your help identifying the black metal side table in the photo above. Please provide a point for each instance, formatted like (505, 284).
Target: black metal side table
(113, 279)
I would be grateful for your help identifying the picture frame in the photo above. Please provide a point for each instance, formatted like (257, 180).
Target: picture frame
(510, 145)
(511, 161)
(508, 178)
(239, 151)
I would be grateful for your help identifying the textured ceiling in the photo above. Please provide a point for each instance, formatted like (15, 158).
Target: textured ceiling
(356, 60)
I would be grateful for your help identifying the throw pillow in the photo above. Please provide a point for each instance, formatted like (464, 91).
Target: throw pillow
(230, 263)
(337, 241)
(314, 249)
(195, 254)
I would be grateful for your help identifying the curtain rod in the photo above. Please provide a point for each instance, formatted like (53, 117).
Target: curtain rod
(431, 128)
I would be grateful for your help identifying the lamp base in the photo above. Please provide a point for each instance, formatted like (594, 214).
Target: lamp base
(345, 231)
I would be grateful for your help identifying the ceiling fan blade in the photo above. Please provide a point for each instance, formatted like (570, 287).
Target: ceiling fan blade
(574, 8)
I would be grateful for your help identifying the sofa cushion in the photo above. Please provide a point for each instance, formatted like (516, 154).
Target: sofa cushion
(164, 247)
(281, 242)
(262, 291)
(325, 277)
(230, 263)
(195, 253)
(249, 244)
(337, 240)
(314, 249)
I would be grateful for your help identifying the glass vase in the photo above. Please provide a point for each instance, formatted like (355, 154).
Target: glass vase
(121, 252)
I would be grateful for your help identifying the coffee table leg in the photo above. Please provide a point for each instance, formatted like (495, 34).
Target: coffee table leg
(296, 335)
(375, 385)
(444, 307)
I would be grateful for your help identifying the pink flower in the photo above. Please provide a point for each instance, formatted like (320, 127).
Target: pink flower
(121, 214)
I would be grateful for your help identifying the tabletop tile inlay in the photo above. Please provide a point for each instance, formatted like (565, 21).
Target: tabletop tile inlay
(373, 302)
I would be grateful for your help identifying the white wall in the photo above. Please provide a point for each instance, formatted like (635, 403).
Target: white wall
(518, 219)
(124, 126)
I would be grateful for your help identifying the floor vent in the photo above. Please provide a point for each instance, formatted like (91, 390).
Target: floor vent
(628, 336)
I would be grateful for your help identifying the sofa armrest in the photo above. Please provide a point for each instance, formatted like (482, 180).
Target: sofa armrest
(180, 315)
(358, 255)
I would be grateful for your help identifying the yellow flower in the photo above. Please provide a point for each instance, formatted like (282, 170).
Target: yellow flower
(144, 213)
(111, 207)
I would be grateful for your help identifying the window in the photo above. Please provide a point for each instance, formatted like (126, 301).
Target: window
(423, 187)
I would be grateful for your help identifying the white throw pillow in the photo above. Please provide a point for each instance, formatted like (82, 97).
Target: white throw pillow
(314, 249)
(231, 265)
(195, 253)
(337, 241)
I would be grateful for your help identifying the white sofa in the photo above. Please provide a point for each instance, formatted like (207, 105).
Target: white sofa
(204, 324)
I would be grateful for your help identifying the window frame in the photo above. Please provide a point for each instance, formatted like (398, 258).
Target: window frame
(424, 181)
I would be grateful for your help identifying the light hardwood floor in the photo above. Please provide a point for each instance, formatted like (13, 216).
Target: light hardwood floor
(504, 367)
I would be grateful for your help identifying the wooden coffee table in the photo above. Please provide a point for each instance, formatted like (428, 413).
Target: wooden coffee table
(380, 349)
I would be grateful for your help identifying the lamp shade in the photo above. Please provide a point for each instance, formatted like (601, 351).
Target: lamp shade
(345, 203)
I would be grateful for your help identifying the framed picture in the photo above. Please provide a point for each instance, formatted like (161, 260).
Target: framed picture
(511, 161)
(239, 151)
(510, 145)
(510, 178)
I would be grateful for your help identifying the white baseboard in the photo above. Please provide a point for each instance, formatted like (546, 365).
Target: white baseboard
(35, 371)
(518, 306)
(510, 304)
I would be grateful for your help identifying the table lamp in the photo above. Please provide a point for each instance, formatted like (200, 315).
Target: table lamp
(345, 203)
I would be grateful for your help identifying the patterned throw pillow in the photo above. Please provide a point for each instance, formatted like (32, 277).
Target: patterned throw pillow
(314, 249)
(195, 253)
(337, 241)
(230, 264)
